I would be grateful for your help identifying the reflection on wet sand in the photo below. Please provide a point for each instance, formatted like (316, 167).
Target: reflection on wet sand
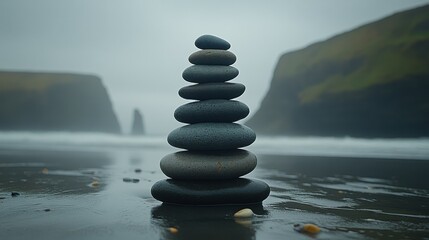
(366, 196)
(205, 222)
(348, 198)
(402, 172)
(52, 172)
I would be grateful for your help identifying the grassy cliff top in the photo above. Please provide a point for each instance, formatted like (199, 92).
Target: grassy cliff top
(37, 81)
(383, 51)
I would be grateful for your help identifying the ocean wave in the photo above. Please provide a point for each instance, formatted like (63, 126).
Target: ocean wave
(344, 147)
(80, 140)
(300, 146)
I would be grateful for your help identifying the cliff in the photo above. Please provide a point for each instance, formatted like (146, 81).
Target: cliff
(368, 82)
(32, 101)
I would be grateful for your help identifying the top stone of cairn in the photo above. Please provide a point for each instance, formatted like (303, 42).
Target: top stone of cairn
(211, 42)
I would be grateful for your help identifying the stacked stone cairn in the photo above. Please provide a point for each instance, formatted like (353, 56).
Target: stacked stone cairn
(209, 171)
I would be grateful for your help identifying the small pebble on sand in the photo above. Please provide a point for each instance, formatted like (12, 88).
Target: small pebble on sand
(244, 213)
(15, 194)
(133, 180)
(94, 184)
(173, 230)
(307, 228)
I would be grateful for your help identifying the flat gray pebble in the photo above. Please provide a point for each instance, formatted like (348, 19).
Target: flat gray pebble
(233, 191)
(206, 91)
(216, 110)
(208, 164)
(209, 73)
(212, 57)
(211, 136)
(211, 42)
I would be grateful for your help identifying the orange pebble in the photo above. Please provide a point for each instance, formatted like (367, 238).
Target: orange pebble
(307, 228)
(173, 230)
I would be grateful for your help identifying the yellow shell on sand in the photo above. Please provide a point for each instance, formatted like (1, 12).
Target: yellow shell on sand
(94, 184)
(244, 213)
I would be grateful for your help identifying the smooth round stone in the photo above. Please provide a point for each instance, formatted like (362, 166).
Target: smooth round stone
(212, 91)
(212, 57)
(211, 136)
(225, 192)
(215, 110)
(211, 42)
(208, 164)
(209, 73)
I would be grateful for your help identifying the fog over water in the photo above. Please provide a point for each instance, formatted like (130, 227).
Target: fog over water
(140, 48)
(292, 146)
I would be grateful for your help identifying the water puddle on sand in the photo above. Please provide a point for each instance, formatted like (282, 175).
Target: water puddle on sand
(364, 204)
(96, 195)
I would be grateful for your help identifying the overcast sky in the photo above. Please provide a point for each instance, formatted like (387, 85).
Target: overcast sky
(140, 48)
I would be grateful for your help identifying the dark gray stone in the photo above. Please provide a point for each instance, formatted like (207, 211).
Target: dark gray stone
(212, 57)
(209, 73)
(234, 191)
(211, 42)
(212, 91)
(15, 194)
(208, 164)
(211, 136)
(215, 110)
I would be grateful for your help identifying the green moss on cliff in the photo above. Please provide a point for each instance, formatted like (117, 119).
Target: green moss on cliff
(55, 102)
(365, 70)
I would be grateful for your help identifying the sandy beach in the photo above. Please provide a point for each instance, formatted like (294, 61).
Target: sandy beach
(105, 194)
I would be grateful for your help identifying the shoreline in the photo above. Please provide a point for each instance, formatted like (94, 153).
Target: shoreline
(83, 195)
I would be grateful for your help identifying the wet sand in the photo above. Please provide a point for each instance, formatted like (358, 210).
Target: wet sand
(82, 195)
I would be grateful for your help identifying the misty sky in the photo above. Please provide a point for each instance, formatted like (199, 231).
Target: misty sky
(140, 48)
